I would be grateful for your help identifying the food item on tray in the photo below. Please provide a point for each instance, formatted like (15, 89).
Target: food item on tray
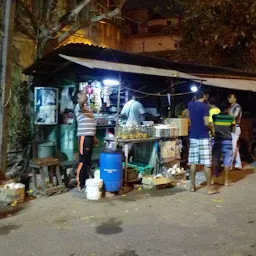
(132, 132)
(131, 136)
(124, 137)
(145, 135)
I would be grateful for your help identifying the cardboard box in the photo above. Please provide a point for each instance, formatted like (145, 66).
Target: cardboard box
(181, 123)
(161, 181)
(149, 182)
(168, 149)
(132, 174)
(10, 195)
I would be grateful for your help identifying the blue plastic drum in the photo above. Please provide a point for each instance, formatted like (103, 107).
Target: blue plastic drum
(111, 169)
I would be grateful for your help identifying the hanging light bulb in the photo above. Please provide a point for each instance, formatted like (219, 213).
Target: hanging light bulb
(193, 88)
(110, 82)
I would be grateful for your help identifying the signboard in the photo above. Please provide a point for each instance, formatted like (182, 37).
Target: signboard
(46, 105)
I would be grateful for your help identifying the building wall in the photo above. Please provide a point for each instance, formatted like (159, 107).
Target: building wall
(145, 33)
(102, 34)
(154, 43)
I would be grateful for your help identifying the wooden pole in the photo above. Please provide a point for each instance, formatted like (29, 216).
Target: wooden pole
(6, 79)
(173, 100)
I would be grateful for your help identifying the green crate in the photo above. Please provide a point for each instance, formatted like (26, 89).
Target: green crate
(141, 168)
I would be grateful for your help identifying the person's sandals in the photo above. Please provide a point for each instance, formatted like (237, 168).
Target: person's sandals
(213, 192)
(228, 183)
(192, 189)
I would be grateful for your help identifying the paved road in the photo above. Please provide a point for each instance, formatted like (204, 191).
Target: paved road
(167, 222)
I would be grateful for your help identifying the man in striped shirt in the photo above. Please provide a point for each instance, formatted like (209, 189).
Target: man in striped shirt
(86, 130)
(223, 124)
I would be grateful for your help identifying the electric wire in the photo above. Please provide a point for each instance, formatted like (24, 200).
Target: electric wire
(157, 94)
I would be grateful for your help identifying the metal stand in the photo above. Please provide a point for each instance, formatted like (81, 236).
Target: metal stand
(118, 109)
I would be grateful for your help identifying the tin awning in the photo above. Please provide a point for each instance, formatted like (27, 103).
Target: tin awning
(234, 84)
(121, 67)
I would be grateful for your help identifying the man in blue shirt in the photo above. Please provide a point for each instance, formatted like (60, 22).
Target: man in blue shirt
(200, 150)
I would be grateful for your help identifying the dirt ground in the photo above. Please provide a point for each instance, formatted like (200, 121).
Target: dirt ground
(165, 222)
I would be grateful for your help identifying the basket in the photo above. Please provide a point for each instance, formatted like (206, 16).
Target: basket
(132, 173)
(179, 177)
(10, 195)
(141, 168)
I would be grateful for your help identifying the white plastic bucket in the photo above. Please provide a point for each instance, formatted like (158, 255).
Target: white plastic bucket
(97, 174)
(94, 189)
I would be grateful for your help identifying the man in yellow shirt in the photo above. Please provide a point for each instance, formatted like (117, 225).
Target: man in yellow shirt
(213, 110)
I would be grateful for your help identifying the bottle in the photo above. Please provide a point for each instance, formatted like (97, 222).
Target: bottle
(54, 181)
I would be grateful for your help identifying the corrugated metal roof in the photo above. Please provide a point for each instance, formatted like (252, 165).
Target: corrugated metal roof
(52, 62)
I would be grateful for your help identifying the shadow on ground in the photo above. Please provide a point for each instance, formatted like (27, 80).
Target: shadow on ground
(250, 166)
(110, 227)
(10, 211)
(139, 195)
(5, 230)
(235, 176)
(240, 174)
(134, 195)
(126, 253)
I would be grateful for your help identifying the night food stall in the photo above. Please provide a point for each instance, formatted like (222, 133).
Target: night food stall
(102, 99)
(54, 115)
(53, 71)
(161, 141)
(69, 73)
(156, 147)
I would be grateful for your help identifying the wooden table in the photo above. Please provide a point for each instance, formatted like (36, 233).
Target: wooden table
(126, 144)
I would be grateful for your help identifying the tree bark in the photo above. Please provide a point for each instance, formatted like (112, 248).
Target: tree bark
(67, 18)
(50, 36)
(6, 79)
(29, 14)
(106, 15)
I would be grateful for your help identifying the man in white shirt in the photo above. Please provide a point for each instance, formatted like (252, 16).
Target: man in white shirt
(133, 111)
(235, 110)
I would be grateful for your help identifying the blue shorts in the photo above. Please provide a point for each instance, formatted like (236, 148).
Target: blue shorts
(222, 147)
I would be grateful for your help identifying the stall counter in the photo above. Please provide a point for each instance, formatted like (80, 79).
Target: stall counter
(129, 142)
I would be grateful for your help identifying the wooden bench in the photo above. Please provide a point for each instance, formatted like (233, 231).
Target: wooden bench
(52, 165)
(63, 168)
